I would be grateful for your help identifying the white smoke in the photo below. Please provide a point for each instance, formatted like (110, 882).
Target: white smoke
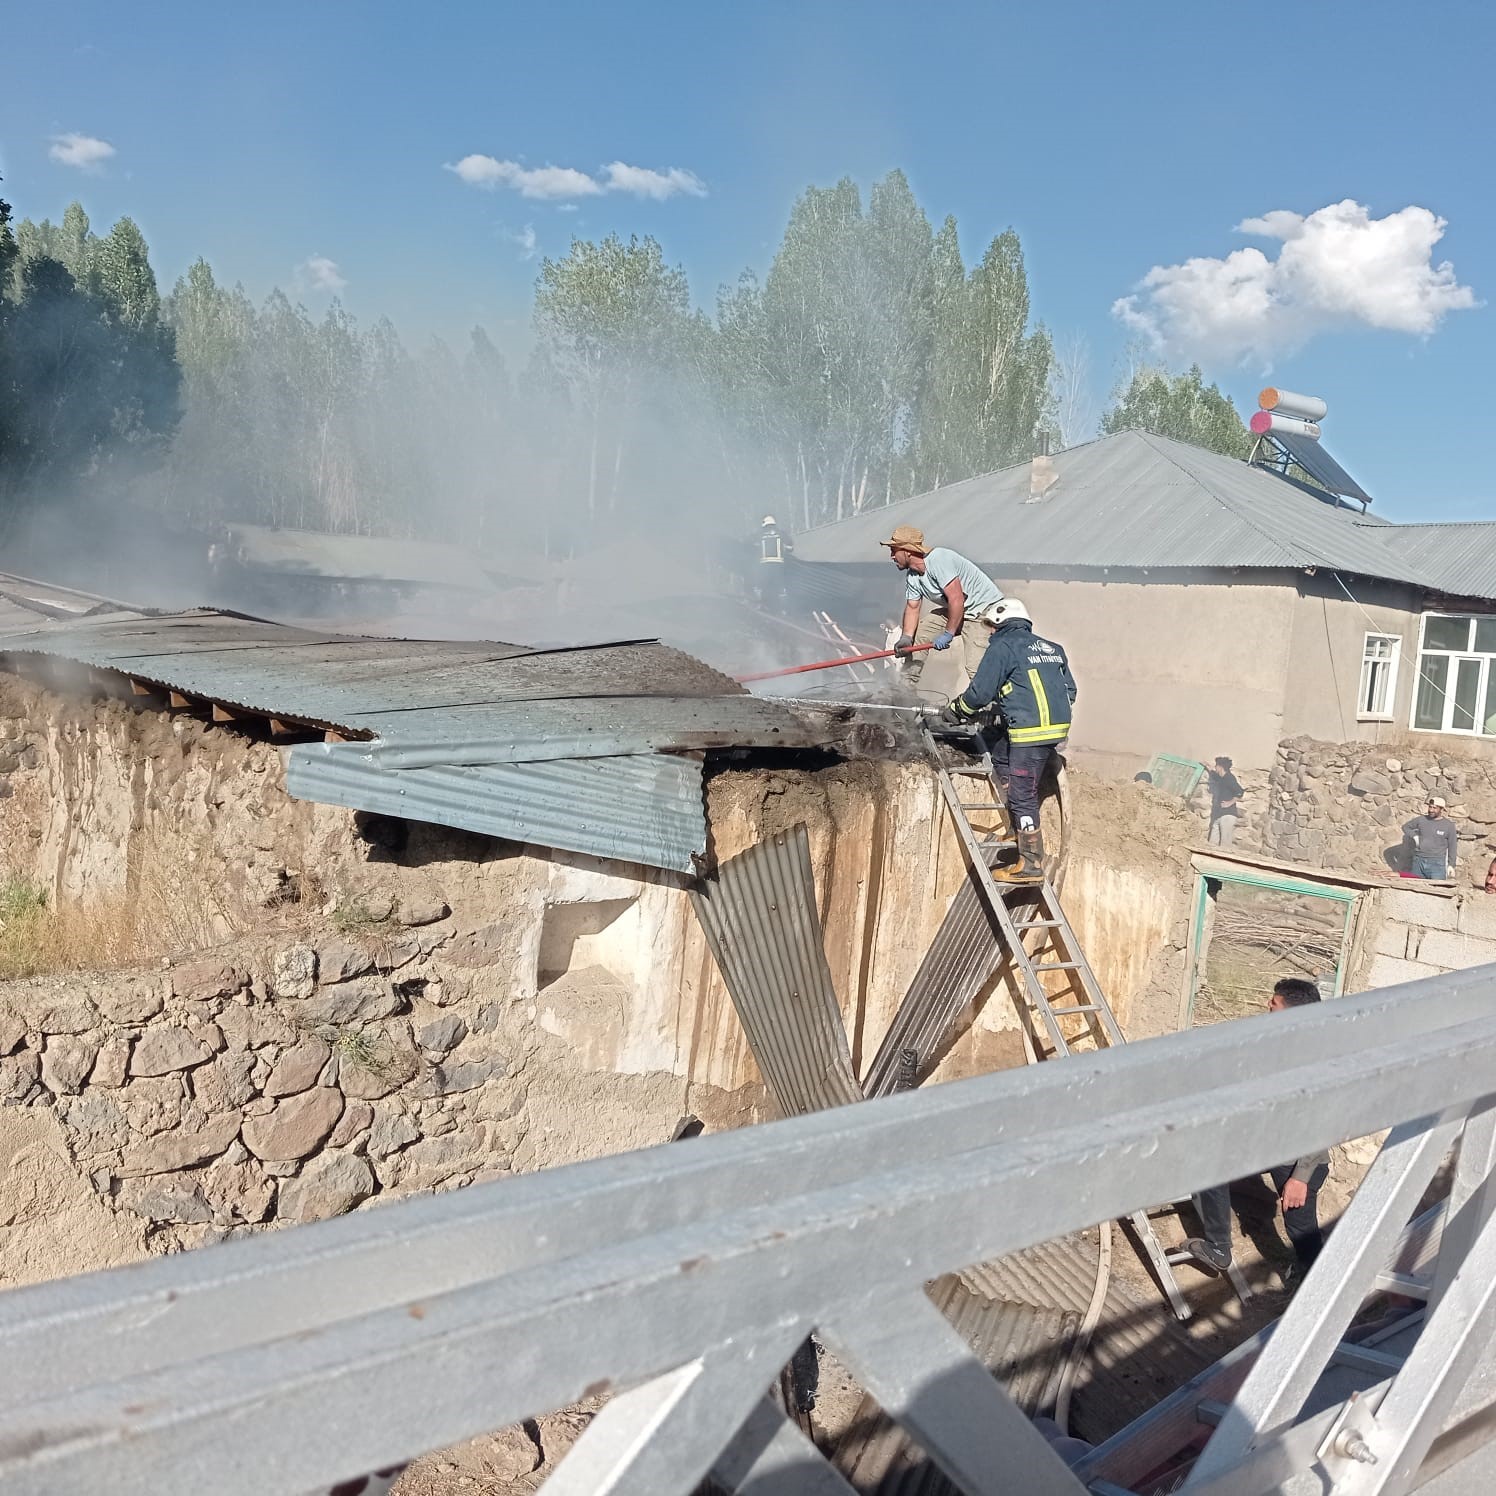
(1338, 268)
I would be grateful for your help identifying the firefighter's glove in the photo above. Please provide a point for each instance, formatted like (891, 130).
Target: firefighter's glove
(942, 641)
(905, 646)
(957, 714)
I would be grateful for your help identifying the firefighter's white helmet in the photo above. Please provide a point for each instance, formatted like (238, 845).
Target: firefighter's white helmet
(1007, 610)
(770, 520)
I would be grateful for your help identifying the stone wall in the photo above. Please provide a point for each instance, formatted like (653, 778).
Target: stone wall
(1343, 805)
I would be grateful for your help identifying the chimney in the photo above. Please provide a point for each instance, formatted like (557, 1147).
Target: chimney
(1042, 476)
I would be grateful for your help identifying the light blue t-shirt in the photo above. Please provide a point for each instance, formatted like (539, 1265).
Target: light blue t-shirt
(944, 566)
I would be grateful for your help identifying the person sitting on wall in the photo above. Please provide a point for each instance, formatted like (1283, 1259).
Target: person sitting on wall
(1432, 841)
(1297, 1184)
(1225, 803)
(1491, 877)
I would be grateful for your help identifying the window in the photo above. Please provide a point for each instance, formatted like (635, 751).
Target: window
(1378, 676)
(1455, 691)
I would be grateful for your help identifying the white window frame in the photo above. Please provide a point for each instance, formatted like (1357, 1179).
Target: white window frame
(1486, 695)
(1387, 713)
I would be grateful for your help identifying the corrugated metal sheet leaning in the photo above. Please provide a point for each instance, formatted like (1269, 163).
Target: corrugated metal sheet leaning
(761, 921)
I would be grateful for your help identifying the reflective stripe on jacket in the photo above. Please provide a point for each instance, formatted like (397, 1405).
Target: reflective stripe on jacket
(1029, 679)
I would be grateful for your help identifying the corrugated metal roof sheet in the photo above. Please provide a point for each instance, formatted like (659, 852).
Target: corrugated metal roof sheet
(1134, 501)
(1459, 559)
(960, 960)
(761, 921)
(640, 808)
(454, 723)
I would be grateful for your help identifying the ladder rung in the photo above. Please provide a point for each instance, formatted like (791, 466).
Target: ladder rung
(1059, 966)
(979, 805)
(1083, 1008)
(1037, 924)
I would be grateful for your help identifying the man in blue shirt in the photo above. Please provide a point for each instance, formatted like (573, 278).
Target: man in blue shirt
(961, 597)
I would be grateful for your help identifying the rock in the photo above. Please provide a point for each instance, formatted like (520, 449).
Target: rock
(281, 1168)
(113, 1063)
(225, 1084)
(421, 909)
(295, 972)
(441, 1124)
(153, 1104)
(357, 1118)
(464, 1075)
(179, 1149)
(1394, 766)
(371, 1080)
(390, 1133)
(296, 1127)
(202, 981)
(158, 1201)
(131, 1002)
(64, 1015)
(1367, 782)
(430, 1162)
(486, 947)
(354, 1002)
(339, 960)
(237, 1191)
(331, 1185)
(488, 1018)
(12, 1032)
(298, 1068)
(66, 1062)
(18, 1074)
(159, 1051)
(98, 1124)
(442, 1034)
(378, 904)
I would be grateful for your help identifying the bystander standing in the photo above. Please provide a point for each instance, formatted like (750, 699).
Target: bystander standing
(1225, 802)
(1433, 843)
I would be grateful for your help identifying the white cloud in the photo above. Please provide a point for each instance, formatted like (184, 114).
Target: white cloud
(525, 239)
(1338, 268)
(643, 182)
(320, 274)
(558, 183)
(85, 152)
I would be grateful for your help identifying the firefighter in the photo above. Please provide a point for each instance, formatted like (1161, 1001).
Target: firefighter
(1029, 681)
(774, 549)
(960, 596)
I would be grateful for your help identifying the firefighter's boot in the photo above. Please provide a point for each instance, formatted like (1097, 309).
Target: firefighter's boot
(1030, 865)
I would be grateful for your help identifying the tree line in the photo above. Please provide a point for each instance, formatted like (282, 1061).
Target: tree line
(869, 362)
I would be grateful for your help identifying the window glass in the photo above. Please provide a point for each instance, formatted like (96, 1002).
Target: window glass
(1447, 633)
(1485, 636)
(1433, 675)
(1378, 674)
(1467, 675)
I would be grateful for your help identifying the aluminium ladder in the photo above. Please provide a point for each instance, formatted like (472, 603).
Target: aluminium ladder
(1040, 910)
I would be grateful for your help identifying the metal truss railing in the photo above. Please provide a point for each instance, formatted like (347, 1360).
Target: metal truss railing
(681, 1278)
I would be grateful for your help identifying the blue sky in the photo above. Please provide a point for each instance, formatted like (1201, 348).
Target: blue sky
(1115, 139)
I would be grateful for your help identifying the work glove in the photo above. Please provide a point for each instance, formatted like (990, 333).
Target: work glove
(942, 641)
(903, 647)
(957, 714)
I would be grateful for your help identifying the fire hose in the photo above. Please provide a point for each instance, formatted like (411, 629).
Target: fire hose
(877, 654)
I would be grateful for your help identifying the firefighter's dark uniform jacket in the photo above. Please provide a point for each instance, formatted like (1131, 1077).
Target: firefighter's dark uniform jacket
(1029, 679)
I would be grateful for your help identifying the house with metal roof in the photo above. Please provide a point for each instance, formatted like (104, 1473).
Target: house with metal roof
(1212, 605)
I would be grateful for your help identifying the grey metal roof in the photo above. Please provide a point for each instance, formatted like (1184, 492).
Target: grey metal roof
(1134, 501)
(1456, 558)
(761, 921)
(644, 807)
(437, 710)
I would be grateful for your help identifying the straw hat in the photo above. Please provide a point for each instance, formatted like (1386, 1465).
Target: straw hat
(907, 538)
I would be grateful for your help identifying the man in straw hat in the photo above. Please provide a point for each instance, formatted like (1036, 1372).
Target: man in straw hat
(962, 598)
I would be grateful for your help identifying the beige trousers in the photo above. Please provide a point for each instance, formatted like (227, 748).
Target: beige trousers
(966, 653)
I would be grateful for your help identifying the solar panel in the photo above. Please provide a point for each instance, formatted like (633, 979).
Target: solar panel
(1320, 465)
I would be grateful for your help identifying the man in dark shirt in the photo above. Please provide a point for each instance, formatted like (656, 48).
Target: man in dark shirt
(1225, 802)
(1298, 1183)
(1433, 841)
